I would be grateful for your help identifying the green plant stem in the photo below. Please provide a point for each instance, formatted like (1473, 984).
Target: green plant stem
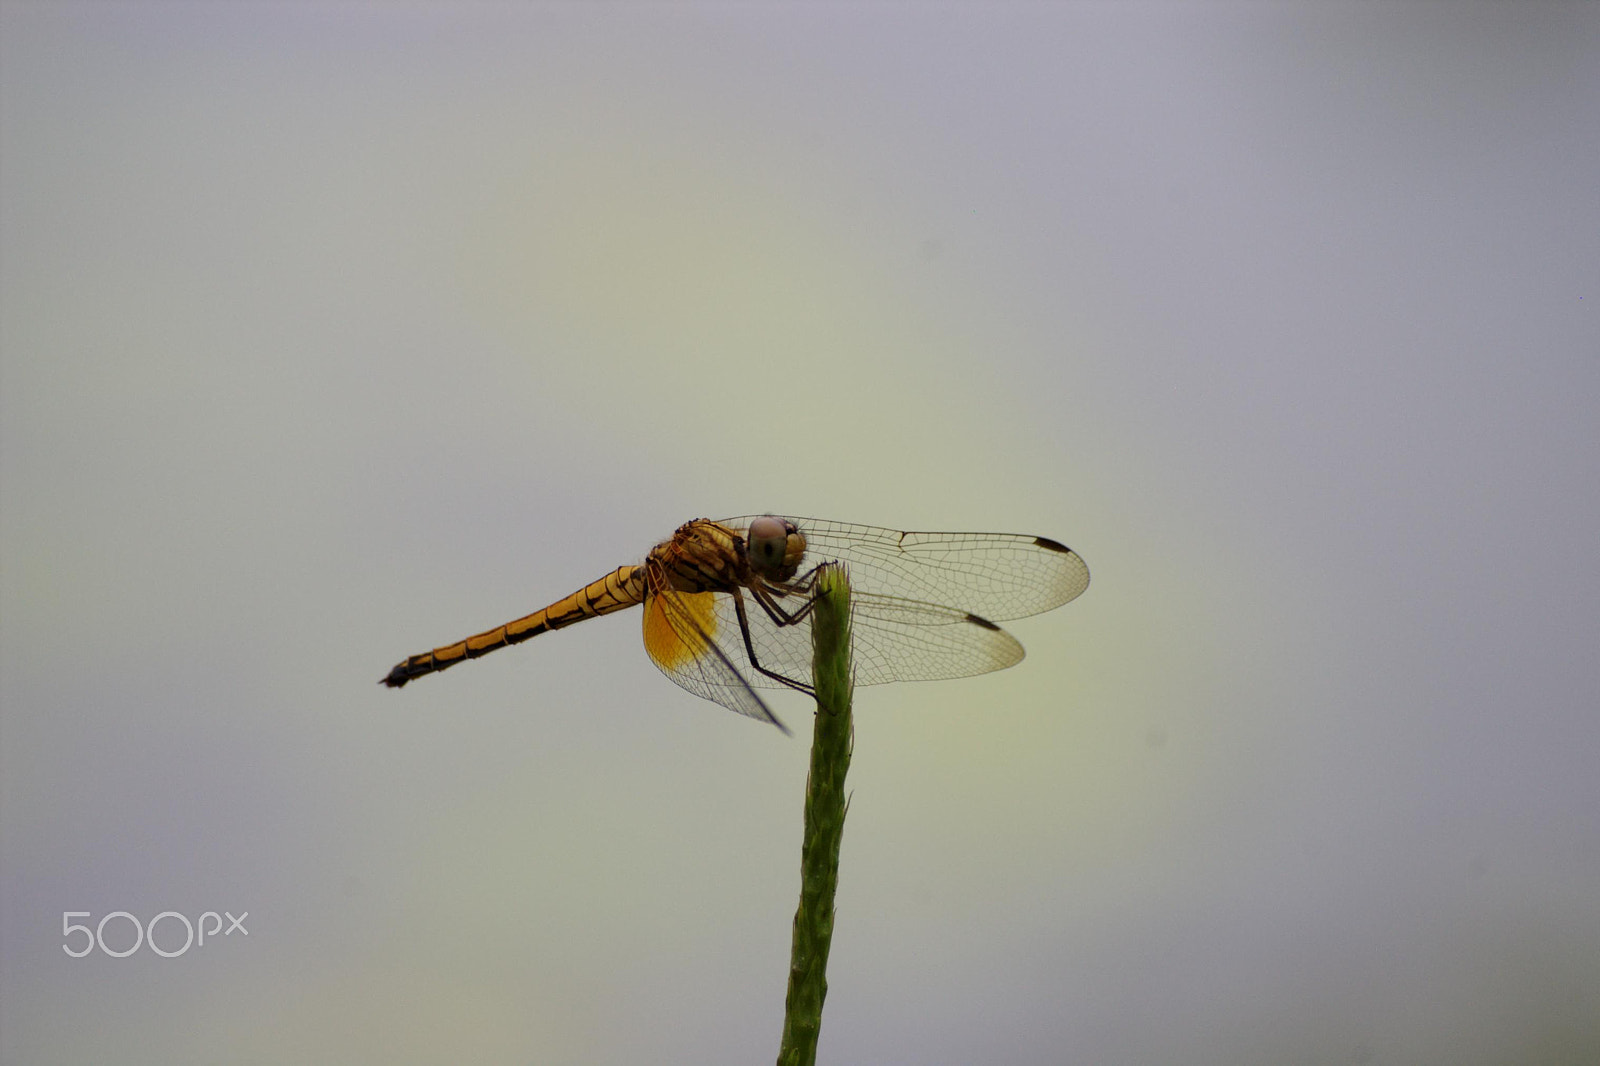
(831, 742)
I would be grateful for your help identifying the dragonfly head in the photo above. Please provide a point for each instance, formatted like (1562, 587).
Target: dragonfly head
(775, 547)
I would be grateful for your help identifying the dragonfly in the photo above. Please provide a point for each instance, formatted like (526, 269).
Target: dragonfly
(728, 603)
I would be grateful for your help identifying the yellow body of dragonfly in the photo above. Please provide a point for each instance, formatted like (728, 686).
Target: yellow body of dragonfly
(727, 604)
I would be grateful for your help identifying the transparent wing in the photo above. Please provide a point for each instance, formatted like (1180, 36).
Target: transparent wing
(893, 640)
(996, 576)
(684, 636)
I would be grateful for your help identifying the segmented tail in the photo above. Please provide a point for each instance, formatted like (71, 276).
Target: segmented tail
(621, 588)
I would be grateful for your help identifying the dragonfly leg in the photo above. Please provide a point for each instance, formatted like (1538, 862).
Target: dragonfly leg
(749, 647)
(764, 596)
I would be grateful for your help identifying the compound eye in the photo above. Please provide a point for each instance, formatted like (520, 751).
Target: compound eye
(767, 542)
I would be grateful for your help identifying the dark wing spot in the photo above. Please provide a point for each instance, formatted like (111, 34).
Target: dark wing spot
(984, 622)
(1051, 545)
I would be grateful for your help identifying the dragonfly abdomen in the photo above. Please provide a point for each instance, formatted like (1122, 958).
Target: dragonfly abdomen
(623, 587)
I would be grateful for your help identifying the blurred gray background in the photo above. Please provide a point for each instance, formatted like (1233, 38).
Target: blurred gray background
(334, 332)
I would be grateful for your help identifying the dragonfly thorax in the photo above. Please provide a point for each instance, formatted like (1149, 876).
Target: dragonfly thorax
(702, 556)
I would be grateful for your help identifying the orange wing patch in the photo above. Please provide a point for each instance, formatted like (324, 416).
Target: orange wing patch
(670, 634)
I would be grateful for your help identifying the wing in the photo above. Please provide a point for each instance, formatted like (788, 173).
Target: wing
(682, 635)
(996, 576)
(893, 640)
